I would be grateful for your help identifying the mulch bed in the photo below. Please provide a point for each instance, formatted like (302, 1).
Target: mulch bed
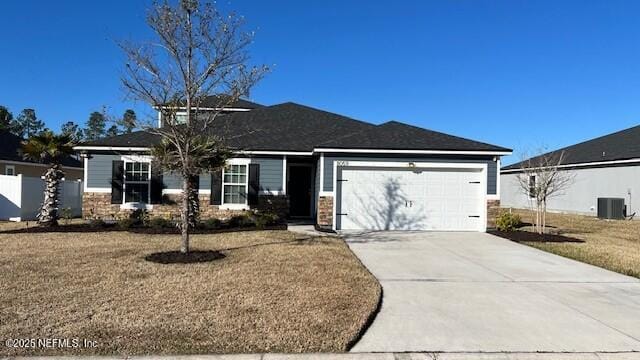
(527, 236)
(84, 228)
(177, 257)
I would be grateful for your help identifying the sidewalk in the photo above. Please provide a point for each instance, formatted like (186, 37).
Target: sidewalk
(367, 356)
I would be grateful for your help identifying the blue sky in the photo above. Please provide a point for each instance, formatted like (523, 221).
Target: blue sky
(521, 74)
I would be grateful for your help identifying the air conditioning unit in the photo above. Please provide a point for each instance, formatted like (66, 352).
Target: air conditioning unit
(611, 208)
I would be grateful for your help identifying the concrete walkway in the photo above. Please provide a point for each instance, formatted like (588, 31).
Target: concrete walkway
(474, 292)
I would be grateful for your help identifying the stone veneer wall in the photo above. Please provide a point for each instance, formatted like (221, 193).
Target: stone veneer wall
(325, 211)
(98, 205)
(493, 210)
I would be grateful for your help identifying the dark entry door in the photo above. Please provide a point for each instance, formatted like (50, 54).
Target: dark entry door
(299, 189)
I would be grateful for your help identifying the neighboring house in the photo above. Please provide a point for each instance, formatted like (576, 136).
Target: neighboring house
(12, 163)
(309, 163)
(21, 186)
(605, 167)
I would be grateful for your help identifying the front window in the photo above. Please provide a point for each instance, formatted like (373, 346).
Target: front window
(181, 118)
(9, 170)
(235, 184)
(532, 186)
(136, 182)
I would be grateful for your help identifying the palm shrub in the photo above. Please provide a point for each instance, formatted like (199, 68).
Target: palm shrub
(49, 148)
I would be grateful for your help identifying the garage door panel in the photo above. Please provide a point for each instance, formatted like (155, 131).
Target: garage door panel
(423, 199)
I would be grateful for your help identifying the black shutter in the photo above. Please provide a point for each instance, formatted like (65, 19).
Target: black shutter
(216, 187)
(117, 178)
(156, 185)
(254, 184)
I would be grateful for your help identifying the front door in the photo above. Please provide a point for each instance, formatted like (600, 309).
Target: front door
(299, 189)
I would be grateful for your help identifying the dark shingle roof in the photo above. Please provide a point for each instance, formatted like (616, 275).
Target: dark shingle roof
(294, 127)
(394, 135)
(621, 145)
(10, 146)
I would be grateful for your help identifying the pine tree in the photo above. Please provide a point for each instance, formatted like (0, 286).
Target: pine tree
(5, 118)
(72, 130)
(128, 121)
(112, 131)
(95, 127)
(27, 124)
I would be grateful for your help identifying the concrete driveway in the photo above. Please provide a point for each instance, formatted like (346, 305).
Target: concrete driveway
(459, 292)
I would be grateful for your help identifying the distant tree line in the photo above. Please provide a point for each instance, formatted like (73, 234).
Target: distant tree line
(27, 124)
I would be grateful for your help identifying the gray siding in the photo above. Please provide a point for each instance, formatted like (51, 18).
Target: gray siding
(99, 170)
(205, 181)
(491, 166)
(581, 196)
(174, 181)
(270, 173)
(171, 181)
(99, 174)
(492, 177)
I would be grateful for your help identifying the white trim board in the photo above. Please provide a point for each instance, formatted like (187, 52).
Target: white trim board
(196, 108)
(578, 165)
(316, 150)
(284, 175)
(112, 148)
(385, 151)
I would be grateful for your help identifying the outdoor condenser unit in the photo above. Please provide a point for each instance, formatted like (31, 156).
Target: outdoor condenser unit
(611, 208)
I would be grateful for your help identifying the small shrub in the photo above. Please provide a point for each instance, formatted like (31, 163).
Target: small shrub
(66, 215)
(139, 217)
(243, 220)
(127, 223)
(97, 223)
(507, 221)
(266, 219)
(212, 224)
(159, 223)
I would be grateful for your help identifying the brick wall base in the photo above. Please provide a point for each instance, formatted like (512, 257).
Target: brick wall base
(493, 210)
(325, 212)
(98, 205)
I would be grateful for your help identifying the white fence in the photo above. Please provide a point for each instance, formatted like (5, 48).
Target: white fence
(21, 197)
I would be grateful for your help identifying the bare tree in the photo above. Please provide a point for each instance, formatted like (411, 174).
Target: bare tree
(198, 52)
(542, 178)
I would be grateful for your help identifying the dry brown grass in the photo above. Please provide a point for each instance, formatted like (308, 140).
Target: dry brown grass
(271, 293)
(611, 244)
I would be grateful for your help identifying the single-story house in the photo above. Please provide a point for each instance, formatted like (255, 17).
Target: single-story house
(21, 186)
(604, 167)
(308, 163)
(12, 163)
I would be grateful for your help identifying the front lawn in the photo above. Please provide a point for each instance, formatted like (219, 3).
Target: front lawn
(274, 291)
(611, 244)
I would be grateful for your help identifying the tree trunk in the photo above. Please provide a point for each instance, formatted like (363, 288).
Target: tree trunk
(48, 215)
(194, 204)
(184, 214)
(538, 217)
(544, 216)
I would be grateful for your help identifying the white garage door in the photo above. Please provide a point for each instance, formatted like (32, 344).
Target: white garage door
(405, 199)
